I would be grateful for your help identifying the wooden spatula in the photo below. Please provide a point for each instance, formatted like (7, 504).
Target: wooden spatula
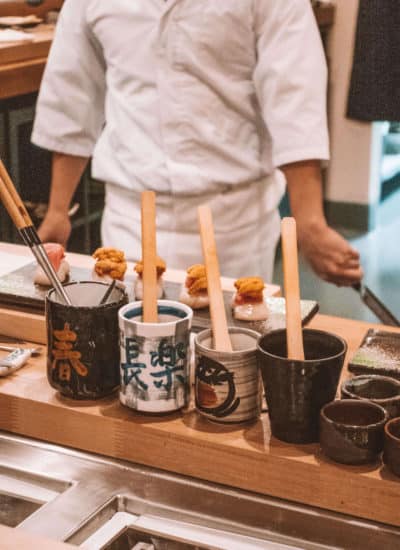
(294, 330)
(149, 255)
(222, 341)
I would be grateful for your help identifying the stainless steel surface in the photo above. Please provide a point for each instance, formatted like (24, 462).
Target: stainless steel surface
(22, 493)
(97, 503)
(376, 306)
(14, 510)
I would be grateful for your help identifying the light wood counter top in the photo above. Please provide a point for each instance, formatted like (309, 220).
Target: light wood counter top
(243, 456)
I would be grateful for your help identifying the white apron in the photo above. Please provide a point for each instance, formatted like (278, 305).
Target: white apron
(246, 224)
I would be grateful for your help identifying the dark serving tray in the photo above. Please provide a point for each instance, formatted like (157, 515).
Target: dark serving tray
(379, 353)
(18, 290)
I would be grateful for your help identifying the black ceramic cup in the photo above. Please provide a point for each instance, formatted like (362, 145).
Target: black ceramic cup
(391, 454)
(382, 390)
(83, 353)
(297, 390)
(351, 430)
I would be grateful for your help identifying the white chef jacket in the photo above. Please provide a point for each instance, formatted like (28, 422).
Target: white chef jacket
(185, 97)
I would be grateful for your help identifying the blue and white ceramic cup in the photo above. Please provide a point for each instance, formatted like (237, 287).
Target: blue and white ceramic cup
(155, 357)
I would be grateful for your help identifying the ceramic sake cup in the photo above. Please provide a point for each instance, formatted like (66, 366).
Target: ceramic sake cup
(228, 386)
(297, 390)
(391, 454)
(83, 354)
(155, 357)
(351, 430)
(383, 390)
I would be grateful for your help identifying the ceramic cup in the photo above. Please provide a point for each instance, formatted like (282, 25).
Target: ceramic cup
(391, 454)
(383, 390)
(297, 390)
(351, 430)
(228, 387)
(83, 340)
(155, 357)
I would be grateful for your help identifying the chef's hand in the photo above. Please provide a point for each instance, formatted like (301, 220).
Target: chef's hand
(330, 255)
(55, 228)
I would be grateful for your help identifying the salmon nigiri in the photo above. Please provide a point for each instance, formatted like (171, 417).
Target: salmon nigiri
(56, 254)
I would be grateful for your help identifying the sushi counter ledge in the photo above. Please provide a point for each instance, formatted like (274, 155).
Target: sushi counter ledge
(241, 456)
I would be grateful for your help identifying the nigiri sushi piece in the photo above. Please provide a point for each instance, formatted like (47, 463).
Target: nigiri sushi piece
(56, 254)
(110, 264)
(138, 285)
(194, 290)
(248, 301)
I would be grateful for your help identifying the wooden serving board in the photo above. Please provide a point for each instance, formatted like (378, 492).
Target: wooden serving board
(244, 456)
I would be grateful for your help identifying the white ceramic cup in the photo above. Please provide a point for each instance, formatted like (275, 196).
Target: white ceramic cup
(228, 385)
(155, 357)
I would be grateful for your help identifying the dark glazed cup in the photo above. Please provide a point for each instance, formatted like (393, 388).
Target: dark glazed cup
(391, 455)
(83, 352)
(382, 390)
(297, 390)
(351, 430)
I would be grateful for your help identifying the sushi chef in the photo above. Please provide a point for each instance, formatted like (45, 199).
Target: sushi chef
(202, 101)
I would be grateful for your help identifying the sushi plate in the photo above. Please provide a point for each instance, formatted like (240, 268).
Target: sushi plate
(17, 289)
(379, 353)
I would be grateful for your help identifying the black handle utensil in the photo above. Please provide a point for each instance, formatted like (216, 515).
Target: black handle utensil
(107, 294)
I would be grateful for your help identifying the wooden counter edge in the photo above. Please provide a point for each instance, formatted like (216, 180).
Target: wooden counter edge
(21, 78)
(319, 483)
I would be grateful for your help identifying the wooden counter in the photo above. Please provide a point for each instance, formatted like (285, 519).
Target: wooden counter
(22, 64)
(241, 456)
(21, 8)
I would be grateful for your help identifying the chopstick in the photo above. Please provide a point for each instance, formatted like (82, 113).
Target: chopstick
(19, 215)
(222, 341)
(294, 329)
(107, 293)
(149, 255)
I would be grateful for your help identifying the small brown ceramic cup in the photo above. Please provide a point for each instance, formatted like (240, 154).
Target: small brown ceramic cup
(296, 390)
(382, 390)
(351, 430)
(391, 455)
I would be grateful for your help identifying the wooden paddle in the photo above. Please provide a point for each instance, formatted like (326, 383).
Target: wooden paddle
(149, 255)
(294, 330)
(222, 341)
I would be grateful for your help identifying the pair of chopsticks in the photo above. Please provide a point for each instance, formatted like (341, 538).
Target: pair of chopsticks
(294, 331)
(19, 215)
(222, 341)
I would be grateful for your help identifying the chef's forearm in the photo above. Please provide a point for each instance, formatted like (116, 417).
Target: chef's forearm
(67, 171)
(304, 184)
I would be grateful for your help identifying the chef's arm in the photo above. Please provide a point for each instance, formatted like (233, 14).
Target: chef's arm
(328, 253)
(67, 171)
